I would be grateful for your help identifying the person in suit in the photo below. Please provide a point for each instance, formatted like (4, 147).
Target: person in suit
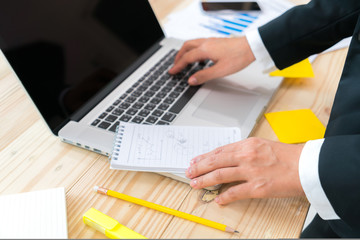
(326, 171)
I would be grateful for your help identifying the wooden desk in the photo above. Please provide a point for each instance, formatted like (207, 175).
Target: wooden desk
(31, 158)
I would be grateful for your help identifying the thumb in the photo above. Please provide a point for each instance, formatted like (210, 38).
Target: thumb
(207, 74)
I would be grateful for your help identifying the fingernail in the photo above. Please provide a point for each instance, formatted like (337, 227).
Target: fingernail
(194, 160)
(193, 183)
(193, 81)
(188, 172)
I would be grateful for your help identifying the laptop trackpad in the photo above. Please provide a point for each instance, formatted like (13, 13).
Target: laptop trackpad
(227, 106)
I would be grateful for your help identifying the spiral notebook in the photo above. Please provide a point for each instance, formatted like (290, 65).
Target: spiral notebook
(166, 148)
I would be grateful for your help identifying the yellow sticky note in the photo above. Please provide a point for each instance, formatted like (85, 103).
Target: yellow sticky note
(296, 126)
(301, 69)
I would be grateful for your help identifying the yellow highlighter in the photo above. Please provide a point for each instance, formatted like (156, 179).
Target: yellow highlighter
(109, 226)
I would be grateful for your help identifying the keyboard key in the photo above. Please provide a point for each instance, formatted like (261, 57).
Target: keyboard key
(154, 88)
(163, 68)
(111, 118)
(125, 118)
(150, 106)
(152, 78)
(124, 105)
(123, 96)
(129, 90)
(95, 122)
(166, 76)
(163, 106)
(169, 100)
(157, 113)
(174, 94)
(169, 117)
(171, 84)
(144, 113)
(144, 99)
(142, 88)
(136, 94)
(114, 126)
(118, 112)
(135, 85)
(166, 89)
(138, 105)
(151, 119)
(155, 100)
(117, 102)
(161, 95)
(162, 123)
(131, 111)
(147, 73)
(160, 83)
(183, 84)
(149, 93)
(109, 109)
(184, 99)
(137, 119)
(179, 89)
(104, 125)
(130, 99)
(103, 115)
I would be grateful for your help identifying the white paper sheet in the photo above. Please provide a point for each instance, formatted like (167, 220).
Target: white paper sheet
(34, 215)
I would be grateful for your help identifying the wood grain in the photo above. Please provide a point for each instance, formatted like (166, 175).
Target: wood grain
(31, 158)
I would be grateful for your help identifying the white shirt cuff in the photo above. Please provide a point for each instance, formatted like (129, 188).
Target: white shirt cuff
(310, 180)
(259, 50)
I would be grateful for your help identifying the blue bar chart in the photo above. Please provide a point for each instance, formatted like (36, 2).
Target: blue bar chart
(228, 25)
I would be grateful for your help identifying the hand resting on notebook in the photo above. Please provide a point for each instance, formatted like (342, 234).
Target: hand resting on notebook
(262, 168)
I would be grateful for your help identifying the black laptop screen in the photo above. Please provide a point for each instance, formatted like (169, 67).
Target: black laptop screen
(66, 51)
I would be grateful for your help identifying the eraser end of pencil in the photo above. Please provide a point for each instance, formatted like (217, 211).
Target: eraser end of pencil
(100, 190)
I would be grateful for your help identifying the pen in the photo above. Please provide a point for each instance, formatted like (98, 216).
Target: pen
(163, 209)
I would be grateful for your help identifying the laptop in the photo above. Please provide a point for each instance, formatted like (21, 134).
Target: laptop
(89, 64)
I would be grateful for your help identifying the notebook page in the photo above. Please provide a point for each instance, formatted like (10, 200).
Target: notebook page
(34, 215)
(166, 148)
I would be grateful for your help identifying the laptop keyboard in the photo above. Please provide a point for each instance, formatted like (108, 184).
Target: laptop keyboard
(156, 98)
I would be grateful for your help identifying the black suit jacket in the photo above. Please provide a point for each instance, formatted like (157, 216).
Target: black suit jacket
(297, 34)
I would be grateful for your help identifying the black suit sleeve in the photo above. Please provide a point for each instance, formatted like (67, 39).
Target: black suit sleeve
(308, 29)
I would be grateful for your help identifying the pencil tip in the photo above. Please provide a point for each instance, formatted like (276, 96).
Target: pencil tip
(231, 230)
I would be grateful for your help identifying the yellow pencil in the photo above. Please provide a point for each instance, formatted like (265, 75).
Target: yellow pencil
(163, 209)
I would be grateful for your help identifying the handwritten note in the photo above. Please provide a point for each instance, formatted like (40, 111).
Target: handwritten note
(166, 148)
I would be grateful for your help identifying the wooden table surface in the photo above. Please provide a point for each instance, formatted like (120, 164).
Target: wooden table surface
(31, 158)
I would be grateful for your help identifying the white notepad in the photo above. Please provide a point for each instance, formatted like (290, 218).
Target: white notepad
(156, 148)
(34, 215)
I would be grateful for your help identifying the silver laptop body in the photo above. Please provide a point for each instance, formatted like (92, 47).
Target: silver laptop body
(237, 100)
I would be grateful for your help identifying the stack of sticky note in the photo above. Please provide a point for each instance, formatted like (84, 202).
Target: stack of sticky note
(296, 126)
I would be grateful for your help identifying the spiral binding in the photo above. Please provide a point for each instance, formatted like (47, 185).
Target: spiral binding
(119, 133)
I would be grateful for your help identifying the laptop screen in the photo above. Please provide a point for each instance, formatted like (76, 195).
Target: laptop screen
(66, 51)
